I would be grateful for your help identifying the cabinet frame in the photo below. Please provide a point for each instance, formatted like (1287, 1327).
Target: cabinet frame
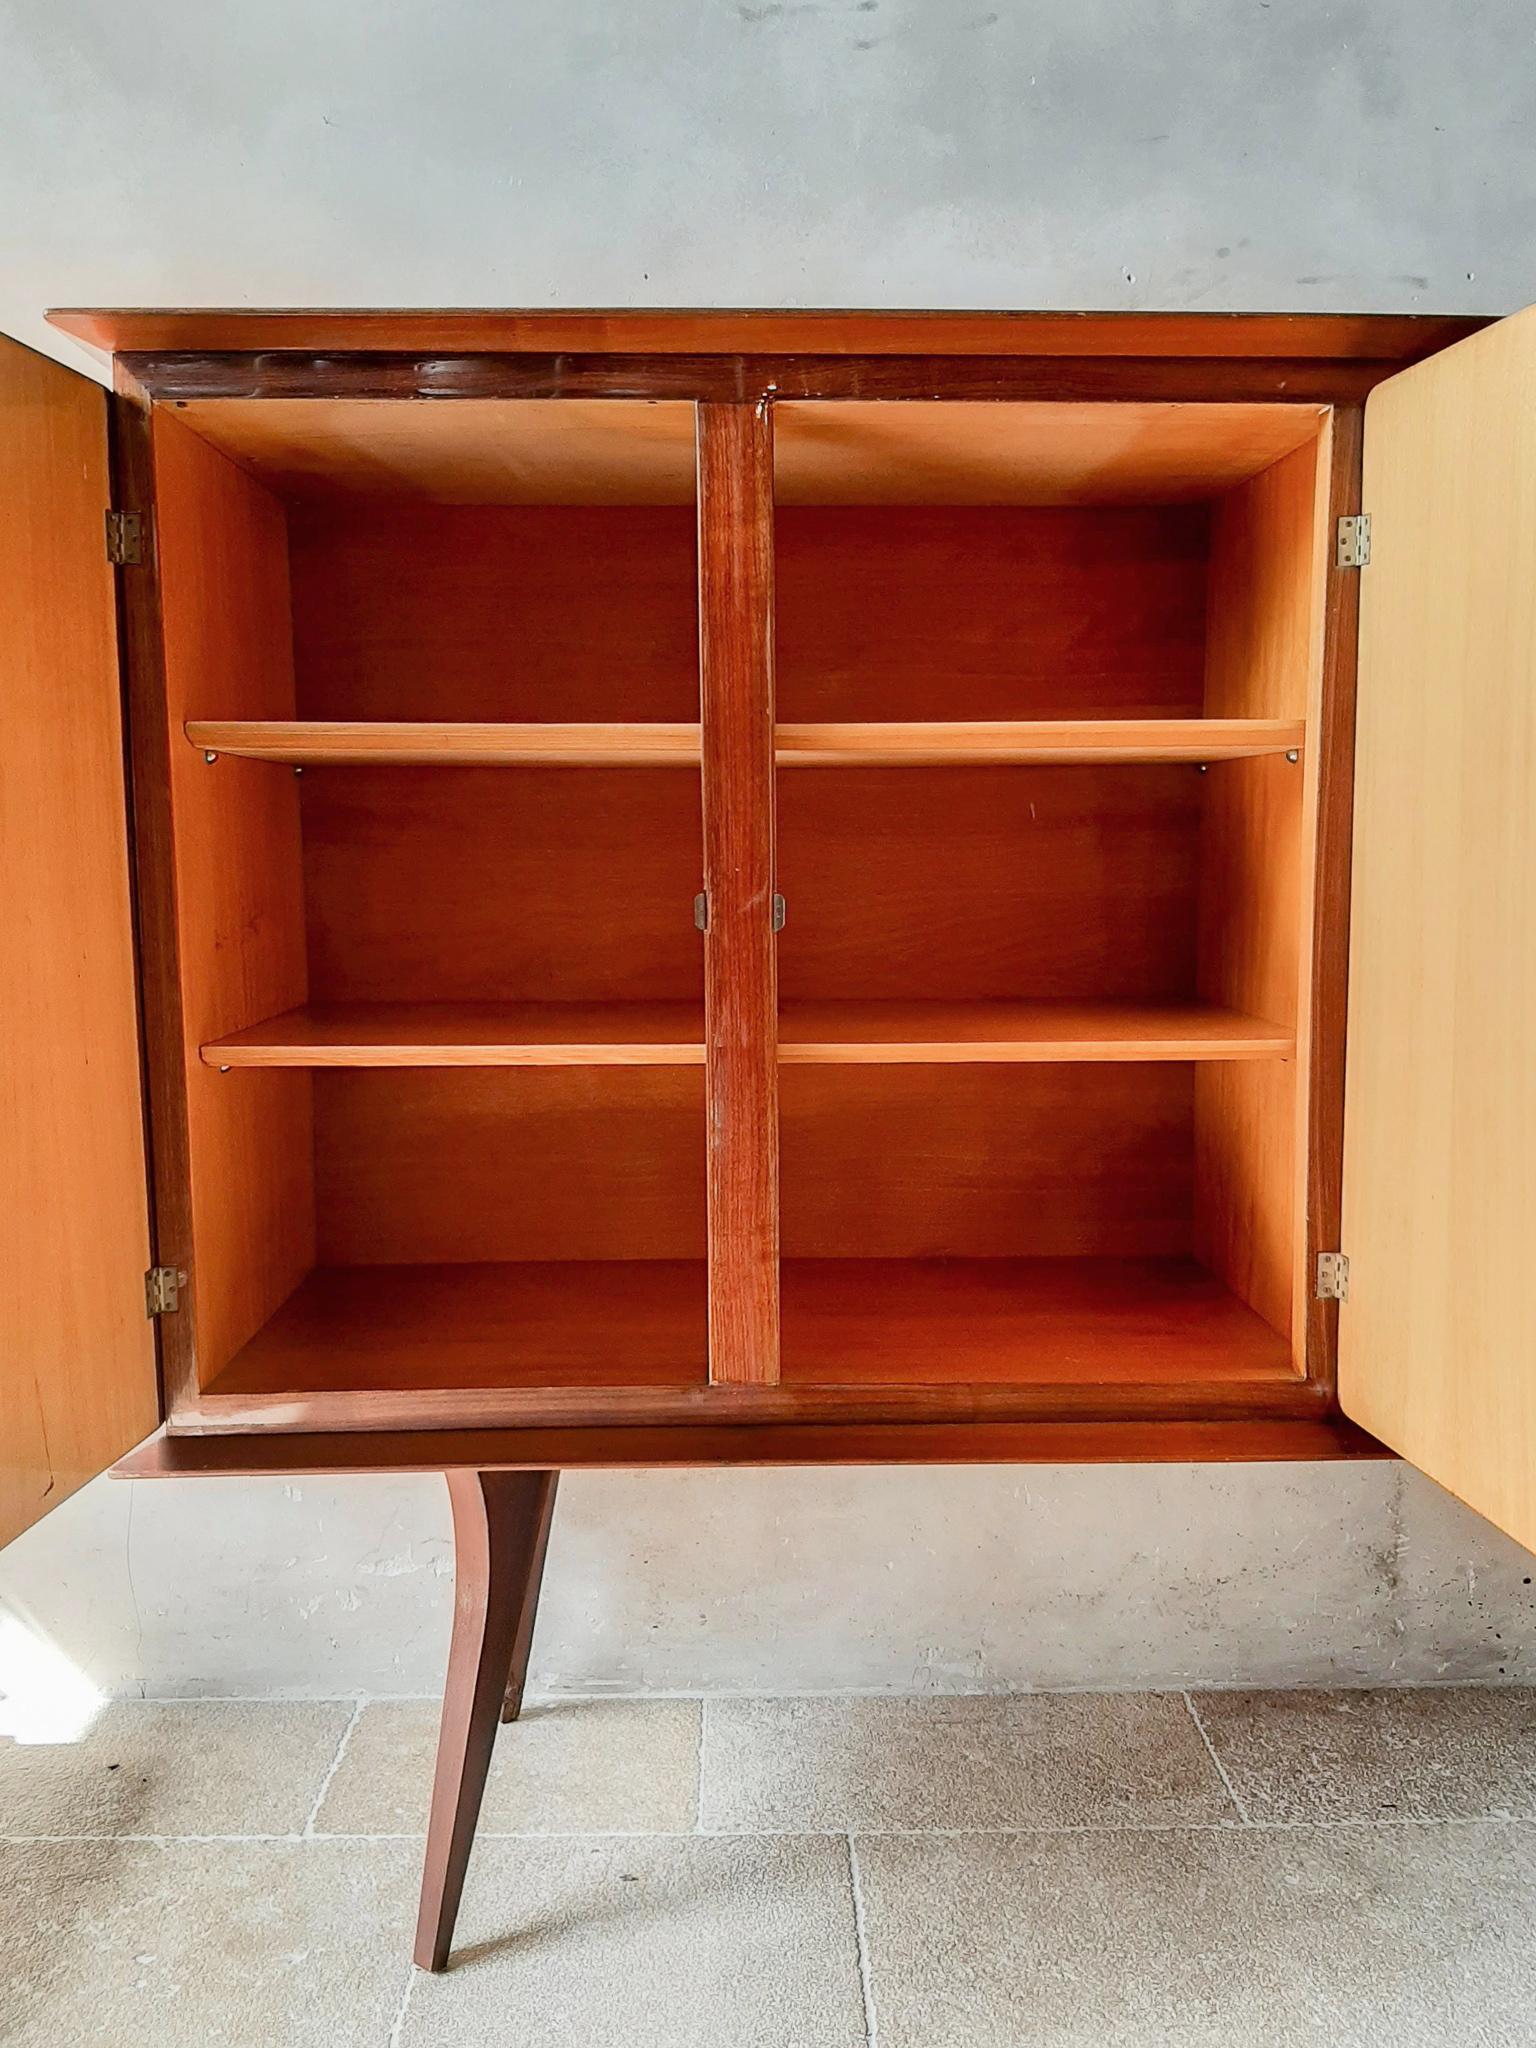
(1274, 359)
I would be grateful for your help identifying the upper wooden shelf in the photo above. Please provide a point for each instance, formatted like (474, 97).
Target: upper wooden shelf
(909, 744)
(317, 742)
(810, 1034)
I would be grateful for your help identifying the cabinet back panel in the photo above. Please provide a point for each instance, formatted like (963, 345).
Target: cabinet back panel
(502, 884)
(986, 1162)
(899, 612)
(462, 1166)
(1072, 883)
(487, 612)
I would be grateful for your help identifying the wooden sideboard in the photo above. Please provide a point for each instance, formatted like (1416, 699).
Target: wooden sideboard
(765, 888)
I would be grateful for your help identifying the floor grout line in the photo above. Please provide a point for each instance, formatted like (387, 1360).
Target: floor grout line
(698, 1787)
(578, 1697)
(320, 1839)
(1221, 1769)
(325, 1782)
(398, 2026)
(861, 1944)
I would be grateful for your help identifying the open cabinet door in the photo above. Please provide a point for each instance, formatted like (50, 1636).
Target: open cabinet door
(77, 1354)
(1437, 1341)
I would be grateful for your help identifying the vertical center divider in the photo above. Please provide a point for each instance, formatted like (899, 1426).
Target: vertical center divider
(735, 496)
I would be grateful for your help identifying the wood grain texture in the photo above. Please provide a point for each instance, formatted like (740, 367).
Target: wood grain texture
(153, 868)
(1436, 1339)
(500, 1531)
(317, 743)
(941, 743)
(552, 614)
(672, 1034)
(551, 1341)
(77, 1361)
(934, 452)
(829, 1034)
(461, 1164)
(610, 452)
(640, 1448)
(1071, 884)
(892, 613)
(432, 1403)
(916, 744)
(893, 1322)
(470, 1035)
(736, 656)
(391, 1329)
(1389, 338)
(563, 888)
(226, 638)
(485, 452)
(741, 379)
(1264, 652)
(927, 1162)
(1334, 767)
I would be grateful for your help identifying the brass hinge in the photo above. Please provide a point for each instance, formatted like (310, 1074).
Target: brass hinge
(1332, 1276)
(125, 537)
(1354, 548)
(701, 909)
(162, 1290)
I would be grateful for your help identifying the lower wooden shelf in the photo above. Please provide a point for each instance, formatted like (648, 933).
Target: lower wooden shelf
(420, 1346)
(810, 1034)
(393, 1329)
(1066, 1322)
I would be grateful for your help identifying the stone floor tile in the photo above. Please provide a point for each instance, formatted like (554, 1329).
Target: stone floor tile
(568, 1767)
(684, 1942)
(1397, 1937)
(189, 1944)
(1035, 1760)
(1416, 1753)
(203, 1767)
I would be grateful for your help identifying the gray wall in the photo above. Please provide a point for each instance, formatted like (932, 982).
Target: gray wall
(1223, 154)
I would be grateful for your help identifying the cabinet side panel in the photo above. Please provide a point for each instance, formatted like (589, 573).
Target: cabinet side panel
(1264, 650)
(77, 1359)
(1436, 1340)
(223, 564)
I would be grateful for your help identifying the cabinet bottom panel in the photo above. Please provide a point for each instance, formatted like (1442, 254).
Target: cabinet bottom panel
(1078, 1321)
(556, 1323)
(561, 1343)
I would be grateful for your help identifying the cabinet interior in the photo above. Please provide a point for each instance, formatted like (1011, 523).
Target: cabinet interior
(1048, 680)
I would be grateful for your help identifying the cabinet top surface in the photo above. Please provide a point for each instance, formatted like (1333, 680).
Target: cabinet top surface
(1379, 338)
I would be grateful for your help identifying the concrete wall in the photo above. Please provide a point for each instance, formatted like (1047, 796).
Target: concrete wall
(1098, 153)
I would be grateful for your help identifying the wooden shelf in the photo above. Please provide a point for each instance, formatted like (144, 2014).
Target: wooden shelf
(912, 744)
(914, 1034)
(947, 743)
(470, 1035)
(566, 1323)
(879, 1324)
(914, 1322)
(313, 743)
(810, 1034)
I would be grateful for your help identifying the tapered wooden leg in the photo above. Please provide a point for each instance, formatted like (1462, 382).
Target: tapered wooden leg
(522, 1642)
(500, 1534)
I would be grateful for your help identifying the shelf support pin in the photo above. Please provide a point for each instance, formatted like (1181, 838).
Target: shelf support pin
(210, 758)
(1292, 754)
